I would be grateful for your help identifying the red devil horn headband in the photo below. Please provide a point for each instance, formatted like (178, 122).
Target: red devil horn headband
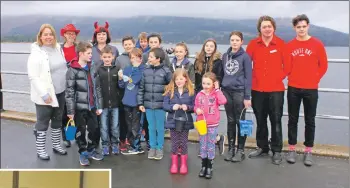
(107, 25)
(95, 25)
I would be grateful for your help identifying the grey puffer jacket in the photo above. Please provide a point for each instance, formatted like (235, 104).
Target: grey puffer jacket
(154, 80)
(78, 95)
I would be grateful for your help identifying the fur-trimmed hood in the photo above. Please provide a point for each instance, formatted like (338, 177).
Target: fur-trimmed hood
(217, 55)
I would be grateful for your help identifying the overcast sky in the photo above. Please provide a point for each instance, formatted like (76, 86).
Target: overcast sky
(332, 14)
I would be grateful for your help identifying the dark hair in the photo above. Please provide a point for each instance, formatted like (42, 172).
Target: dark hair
(158, 53)
(266, 18)
(128, 38)
(107, 50)
(300, 18)
(136, 52)
(102, 29)
(155, 35)
(83, 46)
(237, 33)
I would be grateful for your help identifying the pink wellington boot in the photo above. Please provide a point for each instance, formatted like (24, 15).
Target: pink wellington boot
(183, 167)
(174, 164)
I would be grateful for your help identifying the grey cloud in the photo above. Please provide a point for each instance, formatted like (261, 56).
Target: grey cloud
(332, 14)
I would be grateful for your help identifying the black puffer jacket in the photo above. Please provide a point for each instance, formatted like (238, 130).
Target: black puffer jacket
(216, 69)
(152, 86)
(107, 83)
(77, 92)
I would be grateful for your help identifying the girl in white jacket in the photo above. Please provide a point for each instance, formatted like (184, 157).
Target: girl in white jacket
(47, 74)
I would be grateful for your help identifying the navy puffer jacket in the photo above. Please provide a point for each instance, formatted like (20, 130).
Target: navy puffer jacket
(168, 105)
(154, 80)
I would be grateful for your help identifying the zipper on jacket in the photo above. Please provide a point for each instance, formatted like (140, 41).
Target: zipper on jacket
(109, 89)
(154, 78)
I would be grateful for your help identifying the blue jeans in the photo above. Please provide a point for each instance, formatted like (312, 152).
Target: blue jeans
(156, 120)
(110, 120)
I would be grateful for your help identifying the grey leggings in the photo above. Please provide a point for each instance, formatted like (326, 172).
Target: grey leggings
(45, 113)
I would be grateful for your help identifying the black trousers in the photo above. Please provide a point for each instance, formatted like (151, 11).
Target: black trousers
(310, 99)
(234, 108)
(132, 119)
(46, 113)
(65, 120)
(268, 104)
(83, 119)
(123, 127)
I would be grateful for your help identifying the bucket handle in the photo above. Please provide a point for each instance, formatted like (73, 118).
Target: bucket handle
(71, 122)
(240, 117)
(202, 115)
(185, 114)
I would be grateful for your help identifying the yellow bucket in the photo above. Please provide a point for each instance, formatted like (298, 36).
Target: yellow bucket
(201, 127)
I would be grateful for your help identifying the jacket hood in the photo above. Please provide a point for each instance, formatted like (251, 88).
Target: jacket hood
(139, 46)
(161, 65)
(75, 63)
(217, 55)
(141, 66)
(184, 62)
(236, 54)
(125, 53)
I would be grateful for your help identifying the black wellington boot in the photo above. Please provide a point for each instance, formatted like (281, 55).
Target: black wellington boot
(209, 169)
(203, 170)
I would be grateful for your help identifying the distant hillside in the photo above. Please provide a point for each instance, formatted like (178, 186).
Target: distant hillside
(172, 29)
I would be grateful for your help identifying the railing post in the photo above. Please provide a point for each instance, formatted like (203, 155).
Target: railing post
(1, 97)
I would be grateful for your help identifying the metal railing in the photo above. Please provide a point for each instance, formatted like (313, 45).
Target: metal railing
(321, 116)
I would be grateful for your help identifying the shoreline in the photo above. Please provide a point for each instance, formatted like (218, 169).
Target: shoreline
(8, 42)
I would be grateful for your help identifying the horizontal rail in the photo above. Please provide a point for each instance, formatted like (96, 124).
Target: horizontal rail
(320, 116)
(190, 56)
(332, 90)
(14, 91)
(14, 73)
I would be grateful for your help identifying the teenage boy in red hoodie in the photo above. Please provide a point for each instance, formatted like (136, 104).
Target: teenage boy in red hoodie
(305, 64)
(266, 51)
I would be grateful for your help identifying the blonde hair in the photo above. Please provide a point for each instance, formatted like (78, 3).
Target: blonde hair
(142, 36)
(170, 88)
(182, 44)
(41, 30)
(211, 76)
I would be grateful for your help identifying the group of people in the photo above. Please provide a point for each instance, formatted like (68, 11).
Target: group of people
(112, 96)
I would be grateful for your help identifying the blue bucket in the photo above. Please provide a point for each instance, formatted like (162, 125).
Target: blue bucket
(246, 126)
(70, 130)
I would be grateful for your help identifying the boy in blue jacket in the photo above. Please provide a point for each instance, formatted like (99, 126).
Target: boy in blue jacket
(130, 79)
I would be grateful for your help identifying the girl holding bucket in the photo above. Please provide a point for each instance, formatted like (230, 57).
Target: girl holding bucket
(207, 104)
(179, 103)
(236, 86)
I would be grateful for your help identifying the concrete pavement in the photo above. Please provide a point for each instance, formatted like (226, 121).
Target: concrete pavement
(18, 151)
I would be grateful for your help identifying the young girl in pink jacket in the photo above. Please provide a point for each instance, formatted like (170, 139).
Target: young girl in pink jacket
(206, 106)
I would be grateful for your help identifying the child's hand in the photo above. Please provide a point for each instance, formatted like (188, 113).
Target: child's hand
(120, 74)
(184, 107)
(70, 116)
(216, 84)
(142, 109)
(176, 107)
(199, 111)
(99, 112)
(247, 103)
